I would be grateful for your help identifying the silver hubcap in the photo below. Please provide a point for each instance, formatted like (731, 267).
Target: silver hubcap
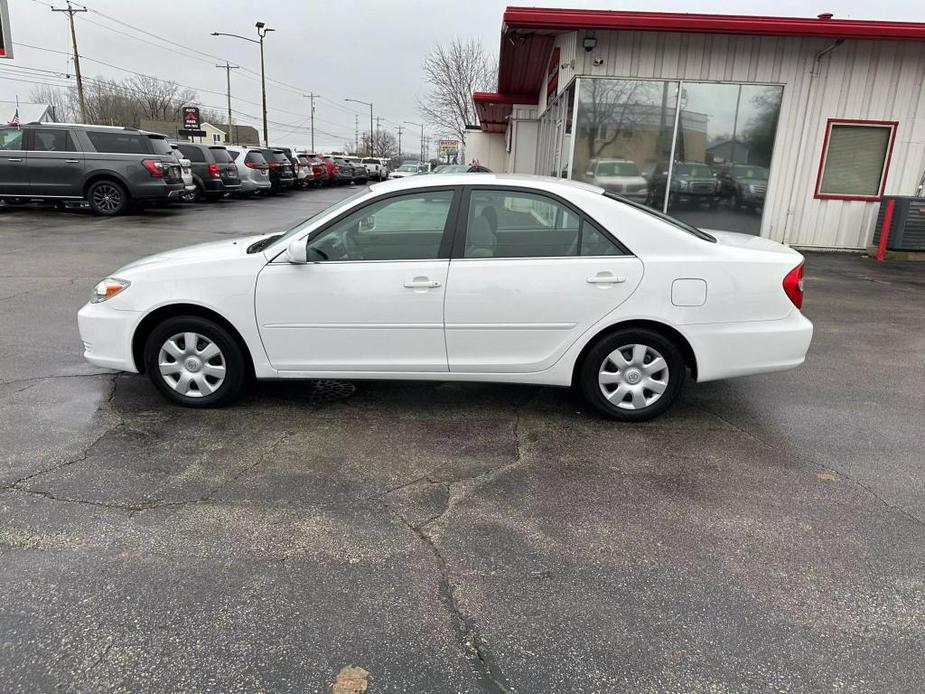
(633, 377)
(191, 364)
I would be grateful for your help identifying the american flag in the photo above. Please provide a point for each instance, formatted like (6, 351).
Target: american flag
(15, 119)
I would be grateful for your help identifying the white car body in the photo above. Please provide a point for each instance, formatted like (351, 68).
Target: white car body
(253, 180)
(186, 171)
(500, 319)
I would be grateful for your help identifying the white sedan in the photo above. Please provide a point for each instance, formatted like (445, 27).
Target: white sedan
(508, 279)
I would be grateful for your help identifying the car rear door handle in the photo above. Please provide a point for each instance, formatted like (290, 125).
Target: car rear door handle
(17, 159)
(605, 278)
(72, 161)
(421, 283)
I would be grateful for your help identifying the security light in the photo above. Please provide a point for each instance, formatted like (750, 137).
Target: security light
(260, 25)
(589, 42)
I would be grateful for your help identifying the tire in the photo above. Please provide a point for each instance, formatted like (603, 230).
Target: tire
(609, 367)
(107, 198)
(184, 374)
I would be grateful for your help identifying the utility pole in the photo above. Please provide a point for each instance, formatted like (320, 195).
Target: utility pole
(80, 85)
(400, 130)
(228, 67)
(378, 141)
(312, 96)
(356, 134)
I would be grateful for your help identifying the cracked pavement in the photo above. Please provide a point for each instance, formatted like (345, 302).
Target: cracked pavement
(765, 535)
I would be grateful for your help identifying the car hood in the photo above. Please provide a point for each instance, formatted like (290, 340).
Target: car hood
(214, 251)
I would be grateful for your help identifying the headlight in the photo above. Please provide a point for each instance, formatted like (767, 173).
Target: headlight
(108, 288)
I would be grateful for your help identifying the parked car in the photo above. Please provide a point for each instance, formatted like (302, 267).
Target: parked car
(692, 182)
(409, 169)
(343, 173)
(214, 171)
(306, 178)
(253, 169)
(301, 176)
(460, 168)
(111, 168)
(375, 169)
(618, 176)
(282, 177)
(744, 185)
(319, 169)
(584, 288)
(360, 174)
(330, 168)
(186, 172)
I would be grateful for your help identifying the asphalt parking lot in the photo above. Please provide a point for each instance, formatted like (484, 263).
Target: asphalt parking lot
(764, 535)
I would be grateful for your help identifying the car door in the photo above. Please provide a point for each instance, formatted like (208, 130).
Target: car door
(55, 166)
(371, 297)
(528, 277)
(14, 177)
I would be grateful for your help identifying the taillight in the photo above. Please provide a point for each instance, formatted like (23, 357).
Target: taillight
(273, 164)
(214, 172)
(155, 168)
(793, 285)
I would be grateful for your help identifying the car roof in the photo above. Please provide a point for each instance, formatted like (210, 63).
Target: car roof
(515, 180)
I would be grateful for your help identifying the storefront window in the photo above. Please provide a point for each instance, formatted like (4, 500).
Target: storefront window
(624, 135)
(699, 150)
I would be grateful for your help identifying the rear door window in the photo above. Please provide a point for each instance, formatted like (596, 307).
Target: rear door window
(52, 140)
(119, 142)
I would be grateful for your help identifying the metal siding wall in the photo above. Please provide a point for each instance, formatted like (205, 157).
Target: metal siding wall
(877, 80)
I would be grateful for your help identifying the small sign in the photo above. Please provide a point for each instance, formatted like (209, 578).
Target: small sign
(449, 148)
(6, 41)
(191, 118)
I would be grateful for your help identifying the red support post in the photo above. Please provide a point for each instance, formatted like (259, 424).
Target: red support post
(885, 229)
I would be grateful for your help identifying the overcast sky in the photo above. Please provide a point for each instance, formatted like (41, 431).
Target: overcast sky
(364, 49)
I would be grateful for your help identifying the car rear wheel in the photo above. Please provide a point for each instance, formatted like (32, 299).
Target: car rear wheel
(107, 198)
(195, 362)
(632, 375)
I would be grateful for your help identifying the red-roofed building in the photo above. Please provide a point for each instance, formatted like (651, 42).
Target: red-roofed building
(789, 127)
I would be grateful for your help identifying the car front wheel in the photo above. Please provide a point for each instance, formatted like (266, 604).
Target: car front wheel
(632, 375)
(195, 362)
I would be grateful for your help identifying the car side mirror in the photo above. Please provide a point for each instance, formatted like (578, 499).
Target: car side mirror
(297, 252)
(368, 223)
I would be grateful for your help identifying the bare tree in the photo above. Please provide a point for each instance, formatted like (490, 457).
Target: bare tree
(56, 97)
(453, 72)
(385, 144)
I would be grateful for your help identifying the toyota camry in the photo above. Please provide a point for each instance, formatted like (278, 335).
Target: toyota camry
(508, 279)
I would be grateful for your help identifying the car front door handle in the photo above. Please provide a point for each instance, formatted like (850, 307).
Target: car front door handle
(605, 278)
(72, 161)
(421, 283)
(16, 159)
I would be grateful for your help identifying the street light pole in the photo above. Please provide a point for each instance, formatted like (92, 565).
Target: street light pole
(262, 31)
(422, 135)
(372, 149)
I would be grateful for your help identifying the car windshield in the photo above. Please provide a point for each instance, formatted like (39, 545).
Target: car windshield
(617, 168)
(693, 170)
(451, 169)
(346, 202)
(220, 154)
(159, 145)
(409, 168)
(757, 172)
(683, 226)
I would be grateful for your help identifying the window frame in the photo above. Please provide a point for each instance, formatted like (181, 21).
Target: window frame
(462, 226)
(69, 140)
(446, 241)
(891, 124)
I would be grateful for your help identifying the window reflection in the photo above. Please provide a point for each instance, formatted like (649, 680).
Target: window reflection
(703, 150)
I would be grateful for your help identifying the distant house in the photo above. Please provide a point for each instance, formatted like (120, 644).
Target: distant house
(28, 113)
(729, 151)
(215, 134)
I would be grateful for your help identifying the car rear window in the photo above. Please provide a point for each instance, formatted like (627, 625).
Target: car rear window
(255, 158)
(119, 142)
(159, 145)
(233, 154)
(280, 157)
(221, 156)
(192, 152)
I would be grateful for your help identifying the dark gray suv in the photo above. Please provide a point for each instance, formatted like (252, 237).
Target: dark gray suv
(214, 171)
(109, 167)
